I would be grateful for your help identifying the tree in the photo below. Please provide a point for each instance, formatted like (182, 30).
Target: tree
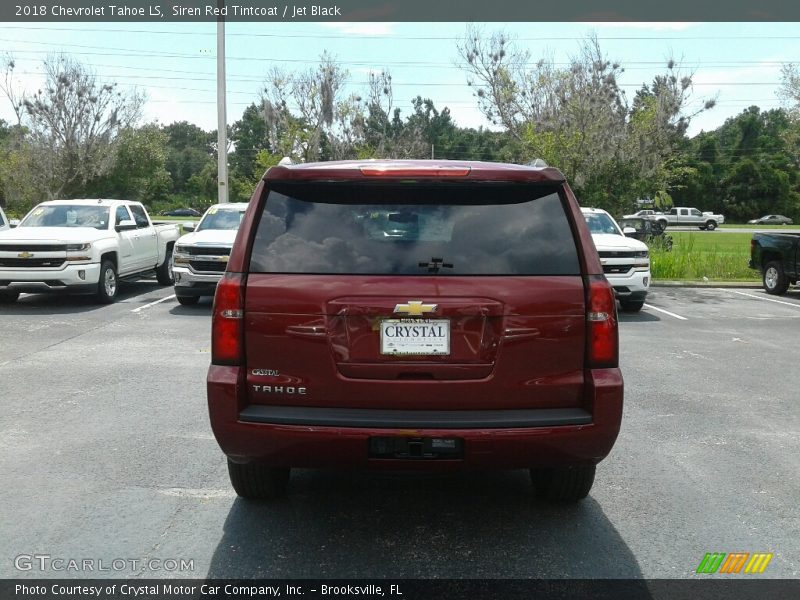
(249, 137)
(190, 150)
(790, 84)
(790, 94)
(202, 185)
(315, 94)
(139, 171)
(578, 119)
(5, 134)
(69, 129)
(745, 168)
(309, 119)
(573, 118)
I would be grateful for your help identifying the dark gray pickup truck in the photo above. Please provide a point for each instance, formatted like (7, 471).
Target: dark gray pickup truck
(776, 256)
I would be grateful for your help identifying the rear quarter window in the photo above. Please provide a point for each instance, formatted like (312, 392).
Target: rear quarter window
(478, 229)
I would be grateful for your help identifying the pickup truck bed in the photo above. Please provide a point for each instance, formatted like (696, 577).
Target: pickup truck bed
(776, 256)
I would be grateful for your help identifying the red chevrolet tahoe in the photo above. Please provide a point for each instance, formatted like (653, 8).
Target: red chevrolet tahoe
(414, 315)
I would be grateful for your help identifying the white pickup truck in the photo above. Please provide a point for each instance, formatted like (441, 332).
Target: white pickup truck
(625, 260)
(83, 246)
(200, 257)
(690, 217)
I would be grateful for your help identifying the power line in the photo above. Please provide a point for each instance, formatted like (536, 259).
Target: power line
(381, 37)
(211, 76)
(394, 83)
(135, 52)
(379, 66)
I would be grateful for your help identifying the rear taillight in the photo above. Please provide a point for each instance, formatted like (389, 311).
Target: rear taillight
(602, 338)
(227, 326)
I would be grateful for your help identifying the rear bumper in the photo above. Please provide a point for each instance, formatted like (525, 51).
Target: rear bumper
(296, 437)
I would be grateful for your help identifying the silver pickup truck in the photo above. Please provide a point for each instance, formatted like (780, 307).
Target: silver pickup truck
(83, 246)
(690, 217)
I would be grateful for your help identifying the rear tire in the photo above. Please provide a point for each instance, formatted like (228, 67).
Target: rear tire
(631, 306)
(187, 300)
(108, 285)
(8, 297)
(258, 482)
(563, 484)
(774, 279)
(164, 270)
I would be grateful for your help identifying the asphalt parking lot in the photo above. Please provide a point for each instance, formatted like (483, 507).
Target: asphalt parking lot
(107, 454)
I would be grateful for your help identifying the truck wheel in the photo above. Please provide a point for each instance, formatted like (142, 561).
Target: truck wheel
(187, 300)
(775, 280)
(258, 482)
(8, 297)
(711, 225)
(631, 306)
(164, 270)
(108, 286)
(563, 484)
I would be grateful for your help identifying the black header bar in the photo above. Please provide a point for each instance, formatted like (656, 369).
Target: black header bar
(397, 10)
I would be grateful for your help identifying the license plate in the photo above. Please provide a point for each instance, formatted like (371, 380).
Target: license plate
(415, 336)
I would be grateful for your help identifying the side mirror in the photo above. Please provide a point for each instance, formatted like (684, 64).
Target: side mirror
(189, 227)
(126, 225)
(628, 230)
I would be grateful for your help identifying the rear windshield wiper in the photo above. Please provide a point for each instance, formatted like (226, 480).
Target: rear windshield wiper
(435, 264)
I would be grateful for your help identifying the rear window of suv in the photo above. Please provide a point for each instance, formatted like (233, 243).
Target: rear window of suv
(444, 229)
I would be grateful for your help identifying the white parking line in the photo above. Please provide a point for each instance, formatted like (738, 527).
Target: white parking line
(766, 299)
(153, 303)
(666, 312)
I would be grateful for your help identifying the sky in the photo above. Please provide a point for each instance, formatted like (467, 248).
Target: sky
(175, 63)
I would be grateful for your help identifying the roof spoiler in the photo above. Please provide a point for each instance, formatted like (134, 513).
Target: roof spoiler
(538, 163)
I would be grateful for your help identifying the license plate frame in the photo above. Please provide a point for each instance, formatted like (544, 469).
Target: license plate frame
(418, 345)
(415, 448)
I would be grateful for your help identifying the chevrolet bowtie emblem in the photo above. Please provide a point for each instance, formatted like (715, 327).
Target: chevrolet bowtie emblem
(414, 308)
(25, 255)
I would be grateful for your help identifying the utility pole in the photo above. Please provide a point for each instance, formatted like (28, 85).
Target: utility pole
(431, 151)
(222, 117)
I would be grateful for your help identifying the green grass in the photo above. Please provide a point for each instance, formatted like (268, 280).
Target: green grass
(718, 257)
